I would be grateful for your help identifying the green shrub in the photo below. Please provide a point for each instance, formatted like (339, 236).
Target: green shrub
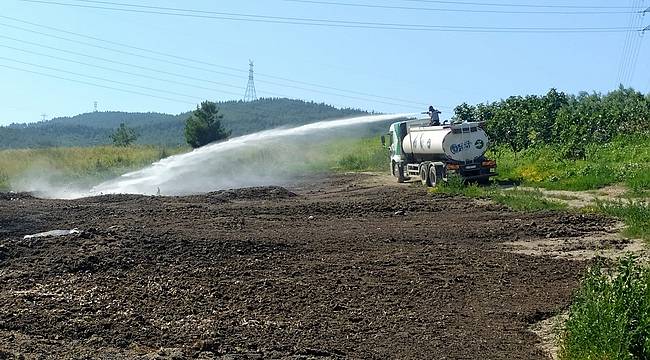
(455, 185)
(610, 316)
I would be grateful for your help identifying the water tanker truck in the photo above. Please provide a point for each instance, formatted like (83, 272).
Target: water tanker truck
(432, 152)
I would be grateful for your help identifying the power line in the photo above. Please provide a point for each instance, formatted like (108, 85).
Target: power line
(517, 5)
(628, 47)
(97, 78)
(480, 11)
(142, 9)
(118, 44)
(193, 78)
(95, 85)
(638, 44)
(634, 43)
(185, 76)
(203, 62)
(624, 53)
(113, 49)
(118, 62)
(631, 48)
(635, 57)
(186, 66)
(117, 70)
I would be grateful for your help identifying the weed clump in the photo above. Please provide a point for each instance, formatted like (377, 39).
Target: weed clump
(635, 215)
(610, 317)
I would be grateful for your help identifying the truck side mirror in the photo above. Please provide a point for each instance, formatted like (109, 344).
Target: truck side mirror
(383, 141)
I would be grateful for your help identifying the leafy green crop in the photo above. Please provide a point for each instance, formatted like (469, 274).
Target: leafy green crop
(571, 122)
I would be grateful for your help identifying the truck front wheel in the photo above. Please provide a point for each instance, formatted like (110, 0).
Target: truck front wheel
(398, 172)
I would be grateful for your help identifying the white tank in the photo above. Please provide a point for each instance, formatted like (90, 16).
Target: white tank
(459, 142)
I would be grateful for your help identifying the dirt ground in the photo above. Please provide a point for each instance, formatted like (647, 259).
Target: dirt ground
(344, 267)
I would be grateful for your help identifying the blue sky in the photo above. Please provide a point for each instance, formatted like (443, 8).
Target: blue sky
(413, 68)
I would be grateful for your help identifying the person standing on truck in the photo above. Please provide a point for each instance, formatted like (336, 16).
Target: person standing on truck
(433, 115)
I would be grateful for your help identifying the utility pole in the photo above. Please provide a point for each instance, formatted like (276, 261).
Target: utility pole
(95, 106)
(250, 95)
(43, 117)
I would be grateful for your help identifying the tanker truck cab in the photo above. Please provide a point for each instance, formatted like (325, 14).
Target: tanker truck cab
(431, 153)
(396, 134)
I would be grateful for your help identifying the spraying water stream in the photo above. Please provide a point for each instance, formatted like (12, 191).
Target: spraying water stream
(270, 157)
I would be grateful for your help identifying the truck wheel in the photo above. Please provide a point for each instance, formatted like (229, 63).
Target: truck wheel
(433, 176)
(398, 172)
(436, 174)
(424, 175)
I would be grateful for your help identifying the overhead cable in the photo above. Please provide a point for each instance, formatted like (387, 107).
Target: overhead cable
(194, 61)
(200, 68)
(96, 85)
(120, 71)
(142, 9)
(519, 5)
(97, 78)
(480, 11)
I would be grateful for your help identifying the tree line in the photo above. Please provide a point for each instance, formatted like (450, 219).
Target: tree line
(571, 122)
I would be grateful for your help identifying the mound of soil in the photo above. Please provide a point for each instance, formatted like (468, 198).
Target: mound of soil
(253, 193)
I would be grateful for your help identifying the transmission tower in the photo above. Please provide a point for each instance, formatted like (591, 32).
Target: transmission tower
(250, 95)
(43, 117)
(95, 106)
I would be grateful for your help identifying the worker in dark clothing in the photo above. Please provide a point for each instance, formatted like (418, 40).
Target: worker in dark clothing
(433, 114)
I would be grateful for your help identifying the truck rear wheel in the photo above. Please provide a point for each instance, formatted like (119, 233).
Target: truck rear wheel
(436, 175)
(433, 176)
(424, 175)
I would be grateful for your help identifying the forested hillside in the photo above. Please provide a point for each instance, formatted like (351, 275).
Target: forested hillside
(165, 129)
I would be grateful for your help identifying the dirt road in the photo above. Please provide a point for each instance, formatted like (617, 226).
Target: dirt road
(347, 268)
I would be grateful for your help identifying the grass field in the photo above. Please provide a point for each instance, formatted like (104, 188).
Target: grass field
(358, 155)
(76, 164)
(625, 160)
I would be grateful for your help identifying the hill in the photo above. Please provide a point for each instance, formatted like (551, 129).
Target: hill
(92, 129)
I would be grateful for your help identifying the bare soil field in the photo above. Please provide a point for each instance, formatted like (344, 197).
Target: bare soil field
(344, 267)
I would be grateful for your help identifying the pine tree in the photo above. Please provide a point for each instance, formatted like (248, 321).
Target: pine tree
(124, 136)
(203, 126)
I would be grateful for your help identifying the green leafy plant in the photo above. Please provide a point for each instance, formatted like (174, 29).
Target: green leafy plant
(610, 316)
